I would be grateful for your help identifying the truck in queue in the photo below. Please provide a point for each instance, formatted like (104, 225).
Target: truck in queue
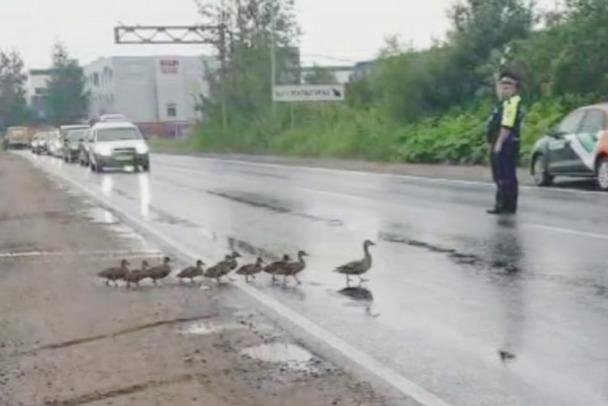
(18, 138)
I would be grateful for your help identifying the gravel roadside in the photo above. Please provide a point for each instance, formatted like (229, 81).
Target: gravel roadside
(67, 340)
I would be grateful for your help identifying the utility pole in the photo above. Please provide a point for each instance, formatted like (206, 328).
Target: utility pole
(223, 71)
(273, 55)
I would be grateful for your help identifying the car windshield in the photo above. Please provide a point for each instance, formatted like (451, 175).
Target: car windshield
(115, 134)
(75, 135)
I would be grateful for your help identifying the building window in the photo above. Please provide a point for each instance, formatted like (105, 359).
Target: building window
(96, 79)
(171, 110)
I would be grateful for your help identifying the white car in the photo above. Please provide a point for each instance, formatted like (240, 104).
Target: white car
(54, 143)
(113, 118)
(117, 145)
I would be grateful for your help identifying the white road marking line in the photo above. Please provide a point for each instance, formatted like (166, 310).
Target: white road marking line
(131, 253)
(402, 384)
(567, 231)
(390, 175)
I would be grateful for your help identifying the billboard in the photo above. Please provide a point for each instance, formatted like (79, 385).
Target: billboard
(308, 93)
(169, 66)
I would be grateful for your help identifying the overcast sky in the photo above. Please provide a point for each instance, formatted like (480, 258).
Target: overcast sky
(351, 30)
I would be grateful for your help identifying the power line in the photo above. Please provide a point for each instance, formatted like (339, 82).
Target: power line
(338, 59)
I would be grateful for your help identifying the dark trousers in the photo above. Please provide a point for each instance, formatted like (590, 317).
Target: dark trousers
(504, 174)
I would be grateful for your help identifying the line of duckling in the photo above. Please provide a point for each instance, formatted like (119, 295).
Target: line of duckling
(284, 267)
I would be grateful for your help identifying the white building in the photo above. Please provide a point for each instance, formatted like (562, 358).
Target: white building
(154, 89)
(35, 90)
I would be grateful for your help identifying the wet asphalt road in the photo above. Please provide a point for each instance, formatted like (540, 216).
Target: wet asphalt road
(450, 285)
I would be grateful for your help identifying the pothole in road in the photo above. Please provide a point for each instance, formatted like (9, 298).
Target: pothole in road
(289, 356)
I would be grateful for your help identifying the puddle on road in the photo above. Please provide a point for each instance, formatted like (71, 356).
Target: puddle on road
(292, 356)
(104, 217)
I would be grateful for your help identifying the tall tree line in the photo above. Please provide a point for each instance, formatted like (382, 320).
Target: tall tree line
(13, 107)
(558, 52)
(65, 95)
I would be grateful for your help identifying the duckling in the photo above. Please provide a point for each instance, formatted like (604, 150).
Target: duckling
(115, 273)
(276, 266)
(137, 275)
(359, 267)
(231, 264)
(250, 270)
(192, 271)
(220, 269)
(160, 271)
(293, 268)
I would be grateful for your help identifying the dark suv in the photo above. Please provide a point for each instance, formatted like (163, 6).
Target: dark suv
(71, 145)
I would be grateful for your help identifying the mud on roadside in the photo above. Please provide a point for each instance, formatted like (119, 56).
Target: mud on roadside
(68, 340)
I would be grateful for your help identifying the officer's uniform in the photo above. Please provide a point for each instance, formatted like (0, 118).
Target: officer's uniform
(507, 114)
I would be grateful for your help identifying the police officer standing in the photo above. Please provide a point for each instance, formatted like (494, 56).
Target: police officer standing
(503, 135)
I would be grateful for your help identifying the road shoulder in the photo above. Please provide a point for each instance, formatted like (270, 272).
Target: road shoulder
(67, 339)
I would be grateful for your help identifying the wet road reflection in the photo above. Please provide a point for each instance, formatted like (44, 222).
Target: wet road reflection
(449, 288)
(106, 185)
(144, 195)
(506, 250)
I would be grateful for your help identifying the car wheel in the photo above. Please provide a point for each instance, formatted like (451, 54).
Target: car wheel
(146, 167)
(539, 172)
(601, 172)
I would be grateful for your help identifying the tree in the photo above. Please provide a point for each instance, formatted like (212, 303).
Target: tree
(480, 31)
(320, 76)
(13, 106)
(581, 65)
(67, 98)
(246, 30)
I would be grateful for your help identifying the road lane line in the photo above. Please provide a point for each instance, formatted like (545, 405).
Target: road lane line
(567, 231)
(367, 200)
(388, 175)
(402, 384)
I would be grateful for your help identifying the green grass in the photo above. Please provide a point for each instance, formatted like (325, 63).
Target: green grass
(343, 132)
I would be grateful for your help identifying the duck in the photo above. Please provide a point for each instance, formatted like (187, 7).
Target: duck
(358, 267)
(293, 268)
(137, 275)
(250, 270)
(160, 271)
(232, 263)
(191, 272)
(223, 267)
(115, 273)
(274, 267)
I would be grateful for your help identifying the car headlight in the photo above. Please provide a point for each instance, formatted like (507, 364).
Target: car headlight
(142, 149)
(103, 150)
